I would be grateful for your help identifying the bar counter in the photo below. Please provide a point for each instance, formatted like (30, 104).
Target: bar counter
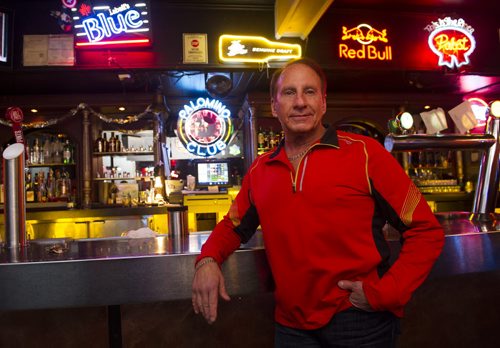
(116, 270)
(65, 273)
(54, 273)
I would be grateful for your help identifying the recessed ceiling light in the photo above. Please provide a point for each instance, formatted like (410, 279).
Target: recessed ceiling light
(34, 110)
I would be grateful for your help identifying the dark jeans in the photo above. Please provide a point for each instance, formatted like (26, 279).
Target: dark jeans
(350, 328)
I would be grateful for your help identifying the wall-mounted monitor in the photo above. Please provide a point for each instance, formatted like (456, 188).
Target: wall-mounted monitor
(213, 173)
(6, 20)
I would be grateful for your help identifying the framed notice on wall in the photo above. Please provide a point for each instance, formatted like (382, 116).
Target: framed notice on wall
(194, 48)
(41, 50)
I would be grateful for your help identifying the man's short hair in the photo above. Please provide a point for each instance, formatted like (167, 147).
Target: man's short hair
(306, 61)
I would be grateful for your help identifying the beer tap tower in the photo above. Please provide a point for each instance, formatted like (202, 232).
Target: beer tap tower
(483, 209)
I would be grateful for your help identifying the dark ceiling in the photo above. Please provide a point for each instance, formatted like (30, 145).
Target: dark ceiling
(44, 87)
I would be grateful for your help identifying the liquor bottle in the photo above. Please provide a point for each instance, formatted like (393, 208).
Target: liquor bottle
(51, 186)
(36, 186)
(271, 137)
(112, 143)
(57, 151)
(30, 194)
(98, 144)
(67, 158)
(260, 139)
(42, 189)
(57, 177)
(105, 147)
(27, 152)
(62, 187)
(47, 154)
(118, 144)
(35, 150)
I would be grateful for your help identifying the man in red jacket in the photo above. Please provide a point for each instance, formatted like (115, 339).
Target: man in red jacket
(322, 199)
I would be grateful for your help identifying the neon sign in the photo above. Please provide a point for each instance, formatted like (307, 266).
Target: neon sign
(204, 127)
(120, 25)
(255, 49)
(452, 41)
(365, 35)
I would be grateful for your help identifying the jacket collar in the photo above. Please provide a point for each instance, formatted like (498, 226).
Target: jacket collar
(329, 138)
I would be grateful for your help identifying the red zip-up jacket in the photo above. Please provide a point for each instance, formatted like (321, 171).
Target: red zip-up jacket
(324, 223)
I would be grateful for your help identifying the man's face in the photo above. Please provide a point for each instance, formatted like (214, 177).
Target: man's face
(299, 103)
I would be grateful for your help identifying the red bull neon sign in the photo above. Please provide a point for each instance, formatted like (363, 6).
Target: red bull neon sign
(204, 127)
(452, 41)
(365, 35)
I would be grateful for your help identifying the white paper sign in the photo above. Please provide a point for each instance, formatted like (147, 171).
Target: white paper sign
(463, 116)
(434, 120)
(43, 50)
(61, 50)
(35, 50)
(195, 49)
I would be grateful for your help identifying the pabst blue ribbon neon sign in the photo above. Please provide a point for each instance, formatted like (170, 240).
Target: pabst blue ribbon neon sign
(204, 127)
(123, 24)
(452, 41)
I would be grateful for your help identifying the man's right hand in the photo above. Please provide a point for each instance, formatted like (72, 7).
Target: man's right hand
(208, 284)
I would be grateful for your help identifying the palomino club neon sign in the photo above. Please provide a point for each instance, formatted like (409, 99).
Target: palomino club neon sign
(112, 26)
(452, 41)
(204, 127)
(365, 34)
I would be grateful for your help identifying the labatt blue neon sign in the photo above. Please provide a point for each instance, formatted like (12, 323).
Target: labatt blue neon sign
(204, 127)
(106, 25)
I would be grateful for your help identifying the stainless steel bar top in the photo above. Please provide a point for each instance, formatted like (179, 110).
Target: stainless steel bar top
(111, 271)
(56, 273)
(52, 214)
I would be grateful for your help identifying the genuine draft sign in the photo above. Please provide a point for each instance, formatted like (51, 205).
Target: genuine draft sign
(255, 49)
(365, 42)
(204, 127)
(452, 41)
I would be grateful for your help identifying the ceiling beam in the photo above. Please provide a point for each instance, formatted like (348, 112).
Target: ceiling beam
(296, 18)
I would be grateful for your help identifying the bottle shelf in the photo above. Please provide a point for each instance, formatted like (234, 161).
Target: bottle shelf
(40, 165)
(58, 204)
(136, 178)
(124, 153)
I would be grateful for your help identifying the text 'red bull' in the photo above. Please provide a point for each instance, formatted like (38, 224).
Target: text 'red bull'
(365, 35)
(365, 52)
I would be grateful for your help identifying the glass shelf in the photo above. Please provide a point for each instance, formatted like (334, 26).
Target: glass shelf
(127, 153)
(40, 165)
(137, 178)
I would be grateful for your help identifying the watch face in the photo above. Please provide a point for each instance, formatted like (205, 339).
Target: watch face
(204, 127)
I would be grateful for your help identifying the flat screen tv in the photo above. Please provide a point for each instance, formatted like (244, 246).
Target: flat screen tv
(212, 174)
(5, 37)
